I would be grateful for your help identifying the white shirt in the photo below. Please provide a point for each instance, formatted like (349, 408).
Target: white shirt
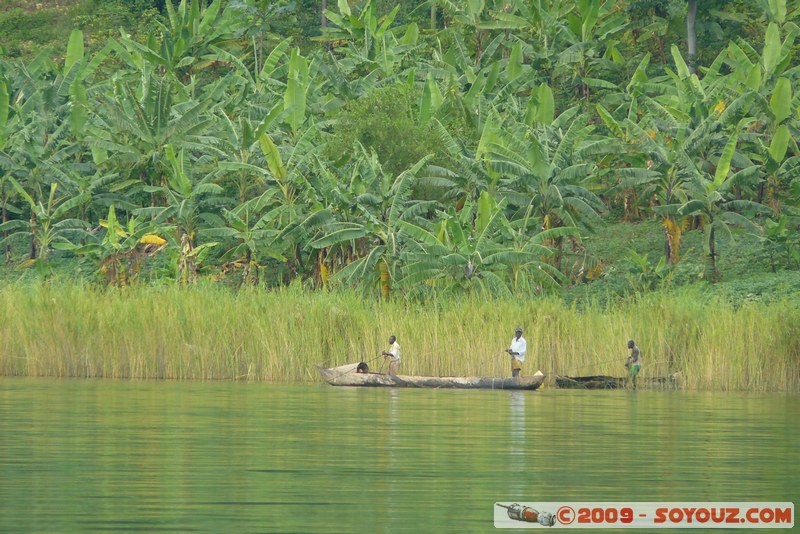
(394, 350)
(521, 346)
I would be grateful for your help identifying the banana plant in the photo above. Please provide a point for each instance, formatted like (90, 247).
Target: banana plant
(582, 64)
(547, 174)
(241, 165)
(187, 36)
(677, 127)
(781, 242)
(139, 119)
(713, 201)
(50, 224)
(297, 84)
(8, 126)
(43, 115)
(252, 229)
(767, 80)
(544, 170)
(381, 202)
(290, 163)
(482, 22)
(189, 204)
(262, 21)
(478, 248)
(371, 39)
(119, 253)
(253, 90)
(658, 168)
(643, 274)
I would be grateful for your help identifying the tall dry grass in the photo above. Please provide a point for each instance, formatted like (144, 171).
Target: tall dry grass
(213, 333)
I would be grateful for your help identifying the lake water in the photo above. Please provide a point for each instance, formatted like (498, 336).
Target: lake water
(80, 456)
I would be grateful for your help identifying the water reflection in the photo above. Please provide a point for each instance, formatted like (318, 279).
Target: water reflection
(218, 457)
(517, 443)
(517, 403)
(395, 485)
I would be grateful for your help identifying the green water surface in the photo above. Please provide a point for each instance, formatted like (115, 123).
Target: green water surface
(148, 456)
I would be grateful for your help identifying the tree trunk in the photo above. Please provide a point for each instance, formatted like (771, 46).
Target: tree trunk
(771, 198)
(712, 254)
(323, 19)
(669, 253)
(559, 245)
(691, 34)
(433, 14)
(672, 239)
(33, 236)
(187, 269)
(6, 247)
(386, 282)
(324, 273)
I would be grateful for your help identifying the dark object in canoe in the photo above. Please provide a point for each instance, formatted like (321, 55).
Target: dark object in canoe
(347, 375)
(611, 382)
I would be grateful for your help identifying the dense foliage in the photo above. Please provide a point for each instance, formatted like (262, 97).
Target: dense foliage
(448, 147)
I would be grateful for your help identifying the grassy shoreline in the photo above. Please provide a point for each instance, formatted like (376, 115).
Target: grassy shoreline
(205, 333)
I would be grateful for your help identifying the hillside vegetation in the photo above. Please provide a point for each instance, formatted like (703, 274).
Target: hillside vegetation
(592, 149)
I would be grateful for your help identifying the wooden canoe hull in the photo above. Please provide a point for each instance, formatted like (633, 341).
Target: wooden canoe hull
(611, 382)
(345, 376)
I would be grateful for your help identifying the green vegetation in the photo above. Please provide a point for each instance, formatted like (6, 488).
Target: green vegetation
(410, 152)
(481, 155)
(212, 333)
(29, 26)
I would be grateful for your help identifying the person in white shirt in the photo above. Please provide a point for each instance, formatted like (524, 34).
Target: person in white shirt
(393, 355)
(517, 352)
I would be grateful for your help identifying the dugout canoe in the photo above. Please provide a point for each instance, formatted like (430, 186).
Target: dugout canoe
(346, 375)
(611, 382)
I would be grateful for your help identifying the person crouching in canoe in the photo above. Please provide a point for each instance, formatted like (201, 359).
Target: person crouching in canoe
(393, 355)
(517, 352)
(634, 362)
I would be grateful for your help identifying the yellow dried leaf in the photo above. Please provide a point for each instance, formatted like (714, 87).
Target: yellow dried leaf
(595, 271)
(152, 239)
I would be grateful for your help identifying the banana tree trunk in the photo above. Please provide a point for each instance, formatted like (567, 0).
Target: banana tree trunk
(691, 33)
(386, 282)
(478, 46)
(33, 236)
(250, 270)
(772, 199)
(323, 19)
(6, 247)
(672, 240)
(629, 206)
(324, 273)
(711, 245)
(583, 89)
(186, 264)
(560, 252)
(713, 253)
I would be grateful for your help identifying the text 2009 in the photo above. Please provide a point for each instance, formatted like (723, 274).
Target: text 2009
(605, 515)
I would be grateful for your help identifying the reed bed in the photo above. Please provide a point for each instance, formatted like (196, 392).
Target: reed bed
(210, 333)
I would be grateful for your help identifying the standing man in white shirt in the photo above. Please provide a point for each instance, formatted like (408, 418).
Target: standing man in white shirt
(393, 355)
(517, 352)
